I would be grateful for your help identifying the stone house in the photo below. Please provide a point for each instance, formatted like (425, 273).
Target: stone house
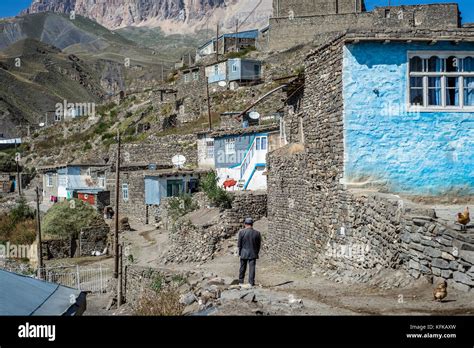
(232, 42)
(143, 188)
(385, 118)
(66, 181)
(297, 22)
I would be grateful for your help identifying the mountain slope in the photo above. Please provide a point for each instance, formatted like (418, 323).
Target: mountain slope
(172, 16)
(46, 77)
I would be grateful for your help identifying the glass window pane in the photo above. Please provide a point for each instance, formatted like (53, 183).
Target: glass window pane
(452, 91)
(435, 64)
(469, 64)
(416, 82)
(416, 64)
(469, 91)
(258, 143)
(453, 64)
(416, 96)
(264, 143)
(434, 91)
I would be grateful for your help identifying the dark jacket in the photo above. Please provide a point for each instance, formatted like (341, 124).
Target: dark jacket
(249, 243)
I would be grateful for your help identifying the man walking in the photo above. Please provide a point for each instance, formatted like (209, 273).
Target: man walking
(249, 248)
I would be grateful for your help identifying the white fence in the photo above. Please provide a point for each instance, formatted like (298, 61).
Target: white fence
(82, 278)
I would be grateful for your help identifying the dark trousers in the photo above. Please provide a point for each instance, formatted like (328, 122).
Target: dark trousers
(243, 269)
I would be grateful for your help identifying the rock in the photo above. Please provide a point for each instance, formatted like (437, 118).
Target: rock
(440, 263)
(447, 256)
(446, 274)
(249, 297)
(216, 281)
(460, 286)
(414, 264)
(463, 278)
(188, 299)
(192, 308)
(234, 282)
(454, 265)
(432, 252)
(467, 256)
(293, 300)
(436, 271)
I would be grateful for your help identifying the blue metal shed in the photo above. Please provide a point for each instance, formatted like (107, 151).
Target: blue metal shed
(25, 296)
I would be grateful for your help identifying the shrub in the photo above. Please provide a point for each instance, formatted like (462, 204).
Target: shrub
(18, 227)
(180, 206)
(21, 212)
(216, 194)
(66, 219)
(163, 303)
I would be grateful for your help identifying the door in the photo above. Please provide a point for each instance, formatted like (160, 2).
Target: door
(152, 191)
(174, 188)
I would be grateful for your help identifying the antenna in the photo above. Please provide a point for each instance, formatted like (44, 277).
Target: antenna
(178, 161)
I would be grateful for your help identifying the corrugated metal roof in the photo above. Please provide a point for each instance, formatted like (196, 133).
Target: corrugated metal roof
(26, 296)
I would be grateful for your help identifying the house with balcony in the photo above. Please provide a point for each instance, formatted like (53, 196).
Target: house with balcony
(239, 155)
(235, 72)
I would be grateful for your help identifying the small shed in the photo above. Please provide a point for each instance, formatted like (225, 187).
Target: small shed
(25, 296)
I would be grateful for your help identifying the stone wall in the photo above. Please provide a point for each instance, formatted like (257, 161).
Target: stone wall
(287, 32)
(198, 242)
(159, 150)
(315, 221)
(282, 8)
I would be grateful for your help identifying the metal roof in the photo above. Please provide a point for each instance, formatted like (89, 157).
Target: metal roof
(26, 296)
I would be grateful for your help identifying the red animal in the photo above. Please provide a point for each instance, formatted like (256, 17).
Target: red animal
(229, 183)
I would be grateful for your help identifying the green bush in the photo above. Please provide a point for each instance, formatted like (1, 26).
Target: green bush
(65, 219)
(21, 212)
(217, 195)
(180, 206)
(18, 226)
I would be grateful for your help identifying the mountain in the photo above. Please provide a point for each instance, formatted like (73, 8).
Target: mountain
(44, 77)
(172, 16)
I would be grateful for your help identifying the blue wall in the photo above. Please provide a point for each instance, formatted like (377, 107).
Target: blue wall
(420, 154)
(242, 145)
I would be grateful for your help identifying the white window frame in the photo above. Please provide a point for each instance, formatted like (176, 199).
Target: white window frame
(195, 75)
(49, 180)
(125, 192)
(186, 78)
(229, 146)
(209, 148)
(442, 108)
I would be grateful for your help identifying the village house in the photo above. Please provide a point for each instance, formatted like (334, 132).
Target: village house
(385, 118)
(144, 187)
(232, 42)
(235, 72)
(83, 181)
(239, 155)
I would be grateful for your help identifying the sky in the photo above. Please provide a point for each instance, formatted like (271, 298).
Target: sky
(10, 8)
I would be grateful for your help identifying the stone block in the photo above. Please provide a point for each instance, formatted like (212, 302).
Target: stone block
(447, 256)
(432, 252)
(464, 278)
(440, 263)
(436, 271)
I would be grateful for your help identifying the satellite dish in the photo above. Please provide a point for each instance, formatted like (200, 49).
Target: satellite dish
(178, 161)
(254, 115)
(41, 124)
(222, 83)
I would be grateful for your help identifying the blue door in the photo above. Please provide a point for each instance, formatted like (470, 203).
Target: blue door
(152, 191)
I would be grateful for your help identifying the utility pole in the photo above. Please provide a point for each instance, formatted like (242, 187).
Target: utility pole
(217, 44)
(116, 232)
(17, 159)
(209, 105)
(38, 236)
(120, 279)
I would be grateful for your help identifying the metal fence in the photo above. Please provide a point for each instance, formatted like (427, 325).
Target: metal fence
(90, 279)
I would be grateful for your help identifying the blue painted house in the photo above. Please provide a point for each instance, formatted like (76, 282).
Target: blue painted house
(240, 155)
(408, 113)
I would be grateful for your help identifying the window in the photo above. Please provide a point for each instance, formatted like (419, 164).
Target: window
(62, 180)
(230, 146)
(101, 180)
(125, 192)
(196, 75)
(174, 188)
(216, 69)
(441, 81)
(234, 67)
(186, 78)
(49, 180)
(210, 149)
(261, 143)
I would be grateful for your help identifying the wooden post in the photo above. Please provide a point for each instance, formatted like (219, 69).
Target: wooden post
(217, 44)
(119, 282)
(38, 236)
(18, 177)
(146, 214)
(209, 105)
(117, 192)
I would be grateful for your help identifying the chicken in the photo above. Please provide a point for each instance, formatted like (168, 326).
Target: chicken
(463, 218)
(441, 291)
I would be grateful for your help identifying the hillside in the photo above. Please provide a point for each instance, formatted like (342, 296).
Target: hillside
(186, 16)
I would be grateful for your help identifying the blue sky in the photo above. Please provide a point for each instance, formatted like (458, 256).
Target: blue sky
(12, 7)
